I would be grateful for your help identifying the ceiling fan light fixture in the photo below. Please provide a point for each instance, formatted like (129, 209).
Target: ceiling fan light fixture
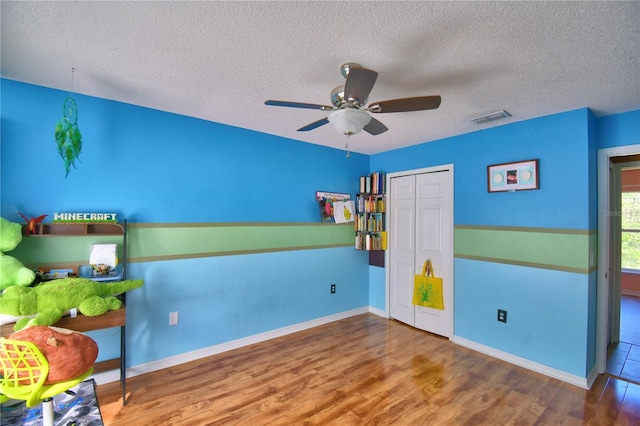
(490, 117)
(349, 121)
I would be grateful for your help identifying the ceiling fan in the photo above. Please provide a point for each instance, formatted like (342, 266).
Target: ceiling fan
(348, 112)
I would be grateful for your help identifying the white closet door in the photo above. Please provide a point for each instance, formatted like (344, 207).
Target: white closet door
(401, 244)
(434, 230)
(420, 228)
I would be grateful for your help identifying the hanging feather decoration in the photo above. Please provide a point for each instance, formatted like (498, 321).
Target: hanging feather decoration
(68, 137)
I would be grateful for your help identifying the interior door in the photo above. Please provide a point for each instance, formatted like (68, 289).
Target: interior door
(615, 234)
(434, 217)
(401, 234)
(420, 228)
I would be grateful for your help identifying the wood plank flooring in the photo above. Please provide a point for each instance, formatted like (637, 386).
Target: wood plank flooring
(363, 370)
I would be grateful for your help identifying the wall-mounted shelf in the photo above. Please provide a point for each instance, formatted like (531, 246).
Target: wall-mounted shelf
(370, 217)
(75, 229)
(370, 222)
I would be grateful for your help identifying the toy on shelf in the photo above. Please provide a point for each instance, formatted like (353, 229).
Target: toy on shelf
(12, 271)
(46, 303)
(32, 223)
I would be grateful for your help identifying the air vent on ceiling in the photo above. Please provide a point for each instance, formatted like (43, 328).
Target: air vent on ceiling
(491, 117)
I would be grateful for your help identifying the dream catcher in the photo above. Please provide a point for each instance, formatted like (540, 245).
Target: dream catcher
(68, 137)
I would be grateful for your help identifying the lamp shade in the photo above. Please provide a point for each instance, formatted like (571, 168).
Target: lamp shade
(349, 121)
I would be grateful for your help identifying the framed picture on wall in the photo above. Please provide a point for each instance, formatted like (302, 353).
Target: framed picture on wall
(517, 176)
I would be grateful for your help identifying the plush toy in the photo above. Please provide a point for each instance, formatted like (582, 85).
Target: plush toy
(46, 303)
(32, 222)
(12, 271)
(68, 353)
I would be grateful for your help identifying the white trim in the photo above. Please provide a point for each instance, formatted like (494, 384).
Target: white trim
(149, 367)
(378, 312)
(603, 250)
(591, 378)
(529, 365)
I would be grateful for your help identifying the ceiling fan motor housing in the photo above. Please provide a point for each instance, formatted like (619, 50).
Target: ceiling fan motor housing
(345, 68)
(337, 96)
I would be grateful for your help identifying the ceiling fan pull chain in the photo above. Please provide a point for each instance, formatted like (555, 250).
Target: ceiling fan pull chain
(347, 145)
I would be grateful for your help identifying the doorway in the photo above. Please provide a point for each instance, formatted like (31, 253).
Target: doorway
(623, 351)
(420, 224)
(610, 322)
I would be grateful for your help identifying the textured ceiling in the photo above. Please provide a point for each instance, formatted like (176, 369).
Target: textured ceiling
(219, 61)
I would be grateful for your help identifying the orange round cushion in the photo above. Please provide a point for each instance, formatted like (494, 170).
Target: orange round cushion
(69, 353)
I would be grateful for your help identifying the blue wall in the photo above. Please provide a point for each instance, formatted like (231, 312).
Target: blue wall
(153, 167)
(552, 313)
(558, 141)
(618, 130)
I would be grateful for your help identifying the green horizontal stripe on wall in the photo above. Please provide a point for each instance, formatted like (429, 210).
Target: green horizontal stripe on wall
(152, 242)
(149, 242)
(557, 249)
(57, 251)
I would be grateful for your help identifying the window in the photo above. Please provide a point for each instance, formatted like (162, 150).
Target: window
(630, 219)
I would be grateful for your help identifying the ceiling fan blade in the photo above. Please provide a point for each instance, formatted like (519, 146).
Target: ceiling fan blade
(314, 125)
(419, 103)
(375, 127)
(298, 105)
(359, 83)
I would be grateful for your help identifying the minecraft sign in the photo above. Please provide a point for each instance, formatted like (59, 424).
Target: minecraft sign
(84, 218)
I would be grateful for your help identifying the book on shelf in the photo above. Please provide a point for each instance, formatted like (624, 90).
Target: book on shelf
(371, 204)
(369, 241)
(373, 183)
(370, 213)
(372, 222)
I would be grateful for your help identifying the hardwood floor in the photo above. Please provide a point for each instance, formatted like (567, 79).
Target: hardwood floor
(363, 370)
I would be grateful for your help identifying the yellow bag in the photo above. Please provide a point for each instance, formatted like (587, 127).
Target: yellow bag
(427, 289)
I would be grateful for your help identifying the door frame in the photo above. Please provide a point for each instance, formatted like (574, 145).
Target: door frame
(604, 243)
(432, 169)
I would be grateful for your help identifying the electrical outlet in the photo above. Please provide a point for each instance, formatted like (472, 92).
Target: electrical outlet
(333, 288)
(502, 315)
(173, 318)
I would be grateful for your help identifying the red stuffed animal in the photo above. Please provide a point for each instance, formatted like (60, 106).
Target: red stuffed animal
(69, 353)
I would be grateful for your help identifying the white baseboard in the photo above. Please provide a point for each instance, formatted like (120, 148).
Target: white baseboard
(114, 375)
(378, 312)
(593, 375)
(582, 382)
